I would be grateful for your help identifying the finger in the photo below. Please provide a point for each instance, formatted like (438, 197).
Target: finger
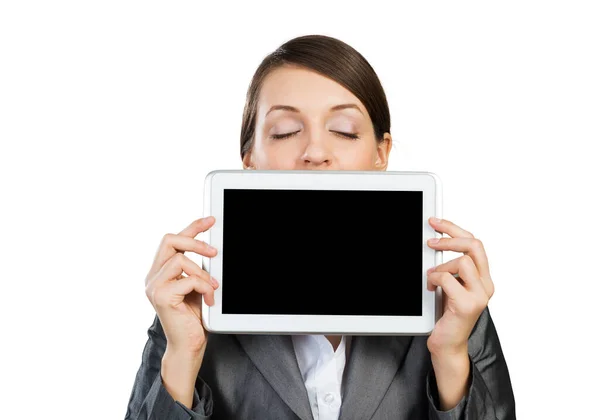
(178, 264)
(460, 300)
(197, 226)
(193, 283)
(173, 294)
(171, 243)
(449, 284)
(185, 243)
(472, 247)
(446, 226)
(462, 268)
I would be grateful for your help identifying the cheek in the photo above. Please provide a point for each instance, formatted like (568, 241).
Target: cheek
(361, 156)
(276, 155)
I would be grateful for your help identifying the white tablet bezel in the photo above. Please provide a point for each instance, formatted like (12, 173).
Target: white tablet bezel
(218, 180)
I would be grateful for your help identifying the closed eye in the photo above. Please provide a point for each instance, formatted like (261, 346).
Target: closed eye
(347, 135)
(339, 133)
(284, 136)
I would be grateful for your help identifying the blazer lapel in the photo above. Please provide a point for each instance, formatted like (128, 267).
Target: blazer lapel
(274, 357)
(373, 363)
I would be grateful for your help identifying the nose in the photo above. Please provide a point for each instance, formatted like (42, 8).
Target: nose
(317, 153)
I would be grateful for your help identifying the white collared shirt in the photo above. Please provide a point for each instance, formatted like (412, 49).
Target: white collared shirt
(322, 370)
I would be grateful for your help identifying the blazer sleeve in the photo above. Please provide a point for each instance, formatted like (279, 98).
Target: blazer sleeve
(490, 394)
(150, 399)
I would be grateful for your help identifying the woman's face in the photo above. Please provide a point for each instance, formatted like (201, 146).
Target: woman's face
(308, 121)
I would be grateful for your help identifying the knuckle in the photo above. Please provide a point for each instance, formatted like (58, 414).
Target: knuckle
(203, 246)
(465, 262)
(492, 289)
(149, 292)
(198, 280)
(157, 297)
(167, 238)
(203, 275)
(179, 258)
(481, 304)
(446, 278)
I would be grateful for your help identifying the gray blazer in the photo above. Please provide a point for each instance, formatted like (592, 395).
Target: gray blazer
(386, 377)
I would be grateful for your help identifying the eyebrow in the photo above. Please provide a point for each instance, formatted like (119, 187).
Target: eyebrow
(292, 109)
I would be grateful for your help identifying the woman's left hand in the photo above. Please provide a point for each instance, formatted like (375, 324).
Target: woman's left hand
(467, 287)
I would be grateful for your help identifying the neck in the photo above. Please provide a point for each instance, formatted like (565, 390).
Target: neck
(334, 340)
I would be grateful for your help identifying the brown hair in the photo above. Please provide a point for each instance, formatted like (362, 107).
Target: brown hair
(332, 58)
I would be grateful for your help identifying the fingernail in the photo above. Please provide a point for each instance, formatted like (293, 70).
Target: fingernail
(214, 281)
(434, 240)
(430, 270)
(436, 220)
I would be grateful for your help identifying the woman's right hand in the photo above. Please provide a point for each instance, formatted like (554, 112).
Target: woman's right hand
(176, 298)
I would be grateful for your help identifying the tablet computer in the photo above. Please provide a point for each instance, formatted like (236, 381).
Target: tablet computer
(322, 252)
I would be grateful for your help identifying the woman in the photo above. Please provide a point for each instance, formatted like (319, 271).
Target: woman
(316, 103)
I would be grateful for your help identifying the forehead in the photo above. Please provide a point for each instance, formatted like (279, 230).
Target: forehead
(304, 89)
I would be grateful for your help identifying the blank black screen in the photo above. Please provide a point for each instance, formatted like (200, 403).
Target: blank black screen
(322, 252)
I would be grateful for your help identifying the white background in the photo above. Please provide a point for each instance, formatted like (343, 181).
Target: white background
(112, 112)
